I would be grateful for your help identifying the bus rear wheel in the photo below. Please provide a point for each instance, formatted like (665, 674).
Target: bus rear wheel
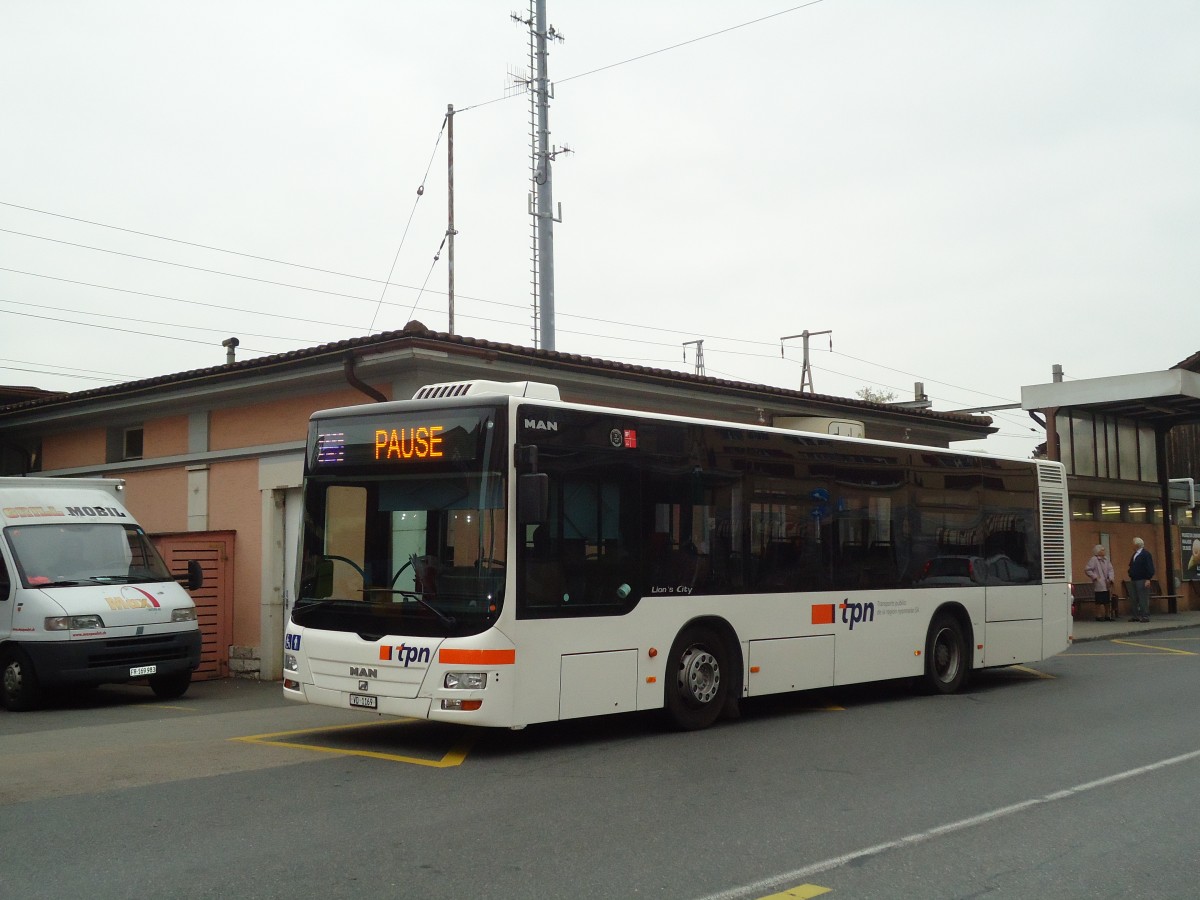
(947, 660)
(19, 690)
(697, 679)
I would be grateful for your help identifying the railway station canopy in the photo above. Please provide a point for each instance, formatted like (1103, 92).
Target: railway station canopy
(1159, 399)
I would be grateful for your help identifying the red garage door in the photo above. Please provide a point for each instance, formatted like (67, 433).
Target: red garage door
(214, 600)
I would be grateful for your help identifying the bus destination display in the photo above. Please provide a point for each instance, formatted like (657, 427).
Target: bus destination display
(393, 441)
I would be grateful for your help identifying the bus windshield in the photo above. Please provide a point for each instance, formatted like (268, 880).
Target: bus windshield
(420, 554)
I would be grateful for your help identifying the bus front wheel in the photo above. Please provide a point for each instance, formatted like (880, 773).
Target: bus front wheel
(947, 659)
(697, 679)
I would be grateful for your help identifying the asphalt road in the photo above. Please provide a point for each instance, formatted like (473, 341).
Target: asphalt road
(1075, 778)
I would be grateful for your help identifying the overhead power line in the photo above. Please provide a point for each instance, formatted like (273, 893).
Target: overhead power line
(403, 237)
(222, 331)
(237, 309)
(165, 262)
(660, 50)
(168, 337)
(160, 237)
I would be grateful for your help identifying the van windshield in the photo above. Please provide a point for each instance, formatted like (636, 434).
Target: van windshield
(84, 553)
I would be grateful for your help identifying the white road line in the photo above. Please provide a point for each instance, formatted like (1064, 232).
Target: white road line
(779, 881)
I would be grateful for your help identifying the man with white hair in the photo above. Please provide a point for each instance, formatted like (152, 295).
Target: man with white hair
(1141, 570)
(1099, 571)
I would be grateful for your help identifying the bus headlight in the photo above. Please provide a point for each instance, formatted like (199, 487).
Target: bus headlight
(465, 681)
(186, 614)
(73, 623)
(290, 662)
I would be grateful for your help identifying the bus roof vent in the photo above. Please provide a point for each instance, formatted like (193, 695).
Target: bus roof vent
(821, 425)
(535, 390)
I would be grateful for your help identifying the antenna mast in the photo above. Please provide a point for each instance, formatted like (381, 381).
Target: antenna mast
(541, 155)
(699, 354)
(450, 232)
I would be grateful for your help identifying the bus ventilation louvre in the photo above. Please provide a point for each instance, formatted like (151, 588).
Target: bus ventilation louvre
(532, 389)
(1054, 518)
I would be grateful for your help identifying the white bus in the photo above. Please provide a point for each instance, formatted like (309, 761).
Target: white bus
(489, 555)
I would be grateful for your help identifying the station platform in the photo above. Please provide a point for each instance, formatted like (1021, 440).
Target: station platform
(1087, 629)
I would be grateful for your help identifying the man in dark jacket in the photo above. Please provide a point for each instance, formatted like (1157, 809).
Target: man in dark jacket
(1141, 570)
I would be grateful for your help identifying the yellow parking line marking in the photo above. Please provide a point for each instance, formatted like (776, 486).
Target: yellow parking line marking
(454, 757)
(799, 892)
(1033, 672)
(1165, 650)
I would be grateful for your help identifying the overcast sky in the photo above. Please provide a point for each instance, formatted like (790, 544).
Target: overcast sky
(964, 192)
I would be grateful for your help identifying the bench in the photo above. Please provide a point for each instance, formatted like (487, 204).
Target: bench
(1085, 592)
(1172, 600)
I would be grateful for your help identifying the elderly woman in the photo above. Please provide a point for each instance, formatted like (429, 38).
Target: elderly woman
(1100, 571)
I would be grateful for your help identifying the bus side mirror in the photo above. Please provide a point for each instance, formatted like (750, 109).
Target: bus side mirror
(195, 576)
(533, 498)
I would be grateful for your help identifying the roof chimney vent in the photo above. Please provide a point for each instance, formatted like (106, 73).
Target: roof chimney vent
(230, 344)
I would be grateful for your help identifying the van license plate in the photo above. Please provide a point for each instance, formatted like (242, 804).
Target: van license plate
(142, 670)
(365, 701)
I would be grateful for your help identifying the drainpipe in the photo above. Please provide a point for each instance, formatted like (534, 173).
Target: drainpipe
(357, 383)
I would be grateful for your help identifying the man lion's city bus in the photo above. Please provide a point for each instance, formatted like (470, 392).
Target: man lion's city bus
(489, 555)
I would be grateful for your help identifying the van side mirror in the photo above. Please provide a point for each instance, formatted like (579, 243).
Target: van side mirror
(195, 576)
(533, 498)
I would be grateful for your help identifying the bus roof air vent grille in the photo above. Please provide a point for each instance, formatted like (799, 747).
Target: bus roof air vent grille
(1051, 475)
(534, 390)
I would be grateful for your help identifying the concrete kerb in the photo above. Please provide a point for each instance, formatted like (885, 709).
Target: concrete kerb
(1089, 630)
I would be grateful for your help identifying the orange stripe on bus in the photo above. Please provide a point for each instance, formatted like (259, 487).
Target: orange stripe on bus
(477, 657)
(822, 614)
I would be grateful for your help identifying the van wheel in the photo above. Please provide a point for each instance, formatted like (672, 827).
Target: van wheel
(19, 690)
(697, 679)
(170, 687)
(947, 661)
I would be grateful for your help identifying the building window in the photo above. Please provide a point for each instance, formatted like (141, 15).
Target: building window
(1081, 509)
(132, 444)
(124, 442)
(1110, 511)
(1139, 512)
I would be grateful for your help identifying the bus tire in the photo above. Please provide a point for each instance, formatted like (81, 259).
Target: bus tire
(698, 678)
(170, 687)
(947, 657)
(19, 690)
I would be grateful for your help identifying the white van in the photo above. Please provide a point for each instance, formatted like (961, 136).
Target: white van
(84, 597)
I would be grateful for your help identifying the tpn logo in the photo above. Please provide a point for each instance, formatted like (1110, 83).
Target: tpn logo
(852, 613)
(404, 654)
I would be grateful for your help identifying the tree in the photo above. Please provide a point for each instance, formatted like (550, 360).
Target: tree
(873, 396)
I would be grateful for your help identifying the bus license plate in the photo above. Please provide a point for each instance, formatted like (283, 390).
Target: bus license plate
(142, 670)
(365, 701)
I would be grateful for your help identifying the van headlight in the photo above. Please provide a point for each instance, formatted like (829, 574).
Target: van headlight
(185, 614)
(465, 681)
(73, 623)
